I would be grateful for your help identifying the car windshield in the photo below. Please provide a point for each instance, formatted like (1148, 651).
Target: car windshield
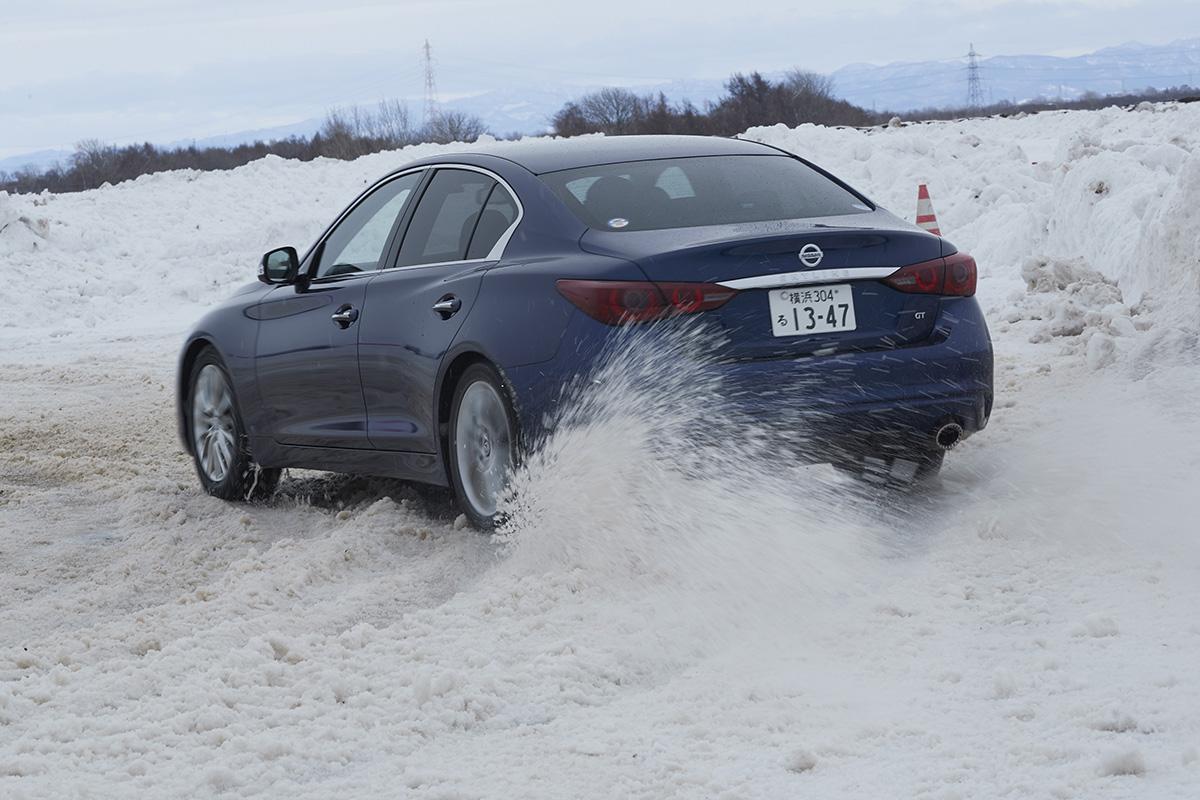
(705, 190)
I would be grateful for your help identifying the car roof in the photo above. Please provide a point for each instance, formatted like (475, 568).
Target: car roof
(547, 154)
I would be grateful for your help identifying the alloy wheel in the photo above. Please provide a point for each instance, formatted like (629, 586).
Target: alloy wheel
(484, 447)
(214, 434)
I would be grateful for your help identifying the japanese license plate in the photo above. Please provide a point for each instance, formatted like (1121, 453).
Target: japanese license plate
(805, 310)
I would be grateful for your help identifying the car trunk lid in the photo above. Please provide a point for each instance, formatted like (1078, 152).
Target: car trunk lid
(852, 311)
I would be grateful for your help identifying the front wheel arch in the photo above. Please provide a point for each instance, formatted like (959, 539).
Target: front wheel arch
(183, 379)
(244, 478)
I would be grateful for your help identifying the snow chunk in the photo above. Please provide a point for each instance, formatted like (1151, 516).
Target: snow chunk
(1098, 627)
(221, 779)
(1004, 686)
(1123, 762)
(1069, 299)
(800, 761)
(1115, 722)
(1101, 351)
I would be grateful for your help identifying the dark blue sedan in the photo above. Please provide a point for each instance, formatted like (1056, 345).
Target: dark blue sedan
(428, 332)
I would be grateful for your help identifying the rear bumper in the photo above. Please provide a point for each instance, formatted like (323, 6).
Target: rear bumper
(883, 428)
(872, 401)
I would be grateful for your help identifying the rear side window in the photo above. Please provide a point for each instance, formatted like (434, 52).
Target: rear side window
(445, 218)
(499, 213)
(708, 190)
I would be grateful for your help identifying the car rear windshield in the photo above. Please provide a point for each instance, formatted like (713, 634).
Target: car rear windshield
(705, 190)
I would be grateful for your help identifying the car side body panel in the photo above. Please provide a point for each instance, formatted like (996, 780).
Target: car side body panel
(308, 378)
(422, 467)
(403, 342)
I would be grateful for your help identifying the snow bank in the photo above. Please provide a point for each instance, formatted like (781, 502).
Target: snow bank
(1111, 197)
(1108, 199)
(151, 254)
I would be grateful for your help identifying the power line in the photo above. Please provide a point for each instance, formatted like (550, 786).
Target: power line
(974, 88)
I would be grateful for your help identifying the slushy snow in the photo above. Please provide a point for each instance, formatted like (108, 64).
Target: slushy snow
(729, 628)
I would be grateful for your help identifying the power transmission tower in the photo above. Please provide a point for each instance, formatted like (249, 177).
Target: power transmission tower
(974, 85)
(431, 104)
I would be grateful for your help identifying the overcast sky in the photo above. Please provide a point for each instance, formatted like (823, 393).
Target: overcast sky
(130, 70)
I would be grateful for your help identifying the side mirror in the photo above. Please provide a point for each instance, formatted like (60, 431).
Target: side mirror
(279, 266)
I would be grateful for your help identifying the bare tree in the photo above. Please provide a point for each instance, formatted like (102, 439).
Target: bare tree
(809, 84)
(339, 136)
(453, 126)
(353, 131)
(808, 97)
(613, 110)
(95, 163)
(391, 123)
(570, 121)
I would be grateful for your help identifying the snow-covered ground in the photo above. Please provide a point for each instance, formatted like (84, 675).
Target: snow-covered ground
(1028, 628)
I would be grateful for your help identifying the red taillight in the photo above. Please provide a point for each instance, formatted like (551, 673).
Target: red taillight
(615, 302)
(961, 275)
(954, 275)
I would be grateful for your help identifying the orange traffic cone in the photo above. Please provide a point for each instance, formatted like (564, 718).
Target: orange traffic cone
(925, 217)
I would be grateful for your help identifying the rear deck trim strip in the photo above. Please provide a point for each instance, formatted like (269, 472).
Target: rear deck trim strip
(809, 277)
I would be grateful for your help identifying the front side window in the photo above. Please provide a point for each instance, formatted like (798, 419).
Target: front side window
(357, 243)
(706, 190)
(444, 221)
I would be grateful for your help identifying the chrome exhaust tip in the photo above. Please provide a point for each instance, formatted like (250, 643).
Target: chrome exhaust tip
(948, 435)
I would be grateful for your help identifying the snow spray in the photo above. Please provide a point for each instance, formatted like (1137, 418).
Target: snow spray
(654, 476)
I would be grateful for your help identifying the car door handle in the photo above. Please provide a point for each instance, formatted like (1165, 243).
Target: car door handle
(448, 306)
(345, 316)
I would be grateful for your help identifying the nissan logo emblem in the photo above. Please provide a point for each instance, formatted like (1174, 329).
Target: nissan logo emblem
(810, 255)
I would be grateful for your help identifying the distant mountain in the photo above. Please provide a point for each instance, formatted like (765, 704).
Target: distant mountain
(1129, 67)
(516, 110)
(39, 160)
(44, 159)
(901, 87)
(303, 128)
(525, 111)
(529, 111)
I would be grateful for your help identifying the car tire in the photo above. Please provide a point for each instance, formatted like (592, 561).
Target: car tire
(482, 448)
(217, 438)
